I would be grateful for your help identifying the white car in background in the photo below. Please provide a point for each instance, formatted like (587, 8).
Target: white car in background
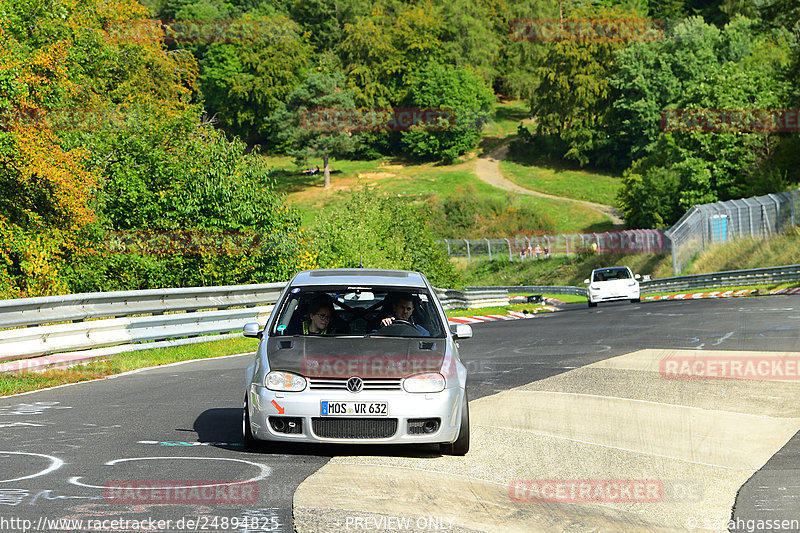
(612, 284)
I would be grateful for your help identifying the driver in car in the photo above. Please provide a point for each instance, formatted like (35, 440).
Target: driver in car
(403, 308)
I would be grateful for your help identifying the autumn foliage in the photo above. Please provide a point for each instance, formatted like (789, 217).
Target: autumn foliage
(94, 129)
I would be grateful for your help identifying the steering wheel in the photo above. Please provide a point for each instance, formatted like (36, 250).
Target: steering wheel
(401, 327)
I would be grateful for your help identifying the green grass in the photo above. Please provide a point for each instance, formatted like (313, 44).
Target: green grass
(499, 310)
(117, 364)
(559, 270)
(508, 116)
(420, 183)
(575, 184)
(747, 253)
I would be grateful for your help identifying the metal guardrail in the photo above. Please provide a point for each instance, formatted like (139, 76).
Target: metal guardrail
(473, 298)
(538, 289)
(75, 307)
(47, 340)
(732, 278)
(83, 327)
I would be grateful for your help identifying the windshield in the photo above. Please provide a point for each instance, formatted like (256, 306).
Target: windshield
(607, 274)
(359, 311)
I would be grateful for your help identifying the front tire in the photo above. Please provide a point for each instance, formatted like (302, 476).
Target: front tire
(249, 442)
(461, 444)
(592, 304)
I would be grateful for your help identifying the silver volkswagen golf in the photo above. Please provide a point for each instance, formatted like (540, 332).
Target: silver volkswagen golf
(358, 356)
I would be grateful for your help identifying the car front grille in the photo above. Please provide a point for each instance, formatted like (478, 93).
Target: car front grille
(341, 383)
(354, 428)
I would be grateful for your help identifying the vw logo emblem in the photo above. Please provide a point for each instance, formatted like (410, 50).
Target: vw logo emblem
(355, 384)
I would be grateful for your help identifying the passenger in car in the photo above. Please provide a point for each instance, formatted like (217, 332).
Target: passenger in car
(320, 317)
(403, 309)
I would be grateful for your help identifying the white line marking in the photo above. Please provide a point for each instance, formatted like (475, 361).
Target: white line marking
(265, 471)
(55, 464)
(723, 338)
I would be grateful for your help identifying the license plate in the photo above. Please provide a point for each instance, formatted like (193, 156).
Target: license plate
(354, 408)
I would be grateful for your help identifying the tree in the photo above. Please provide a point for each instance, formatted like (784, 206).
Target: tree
(520, 58)
(651, 75)
(324, 20)
(574, 98)
(99, 135)
(50, 82)
(203, 211)
(244, 83)
(471, 36)
(471, 103)
(317, 120)
(717, 76)
(381, 232)
(382, 49)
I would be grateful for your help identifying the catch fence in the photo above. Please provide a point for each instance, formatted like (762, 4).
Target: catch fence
(720, 222)
(527, 248)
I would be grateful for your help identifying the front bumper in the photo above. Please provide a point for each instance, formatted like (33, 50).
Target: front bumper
(304, 407)
(601, 296)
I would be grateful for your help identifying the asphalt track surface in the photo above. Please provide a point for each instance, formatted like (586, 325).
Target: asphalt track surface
(65, 451)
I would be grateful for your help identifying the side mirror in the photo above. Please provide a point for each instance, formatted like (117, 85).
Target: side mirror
(461, 331)
(252, 329)
(586, 281)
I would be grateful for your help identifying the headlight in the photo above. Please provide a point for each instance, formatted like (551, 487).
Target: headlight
(285, 381)
(424, 383)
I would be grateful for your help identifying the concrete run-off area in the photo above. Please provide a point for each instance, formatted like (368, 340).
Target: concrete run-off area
(656, 454)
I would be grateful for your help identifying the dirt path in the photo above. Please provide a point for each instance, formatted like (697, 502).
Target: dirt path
(487, 167)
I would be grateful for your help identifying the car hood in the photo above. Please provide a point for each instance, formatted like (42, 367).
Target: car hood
(366, 357)
(614, 282)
